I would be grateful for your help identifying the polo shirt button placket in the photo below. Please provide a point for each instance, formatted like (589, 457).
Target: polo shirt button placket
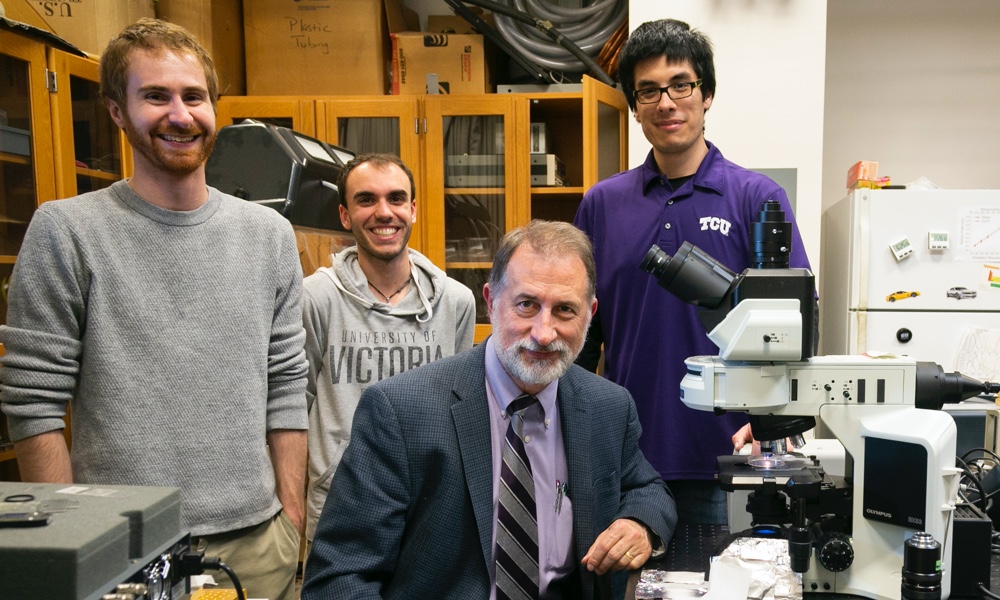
(666, 225)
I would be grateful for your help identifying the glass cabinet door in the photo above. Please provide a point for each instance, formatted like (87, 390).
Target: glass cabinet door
(25, 147)
(476, 186)
(91, 152)
(96, 139)
(605, 126)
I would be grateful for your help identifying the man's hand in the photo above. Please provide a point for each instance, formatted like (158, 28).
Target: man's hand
(288, 455)
(295, 514)
(623, 545)
(744, 436)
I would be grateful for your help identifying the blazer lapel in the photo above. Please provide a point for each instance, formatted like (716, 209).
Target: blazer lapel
(471, 416)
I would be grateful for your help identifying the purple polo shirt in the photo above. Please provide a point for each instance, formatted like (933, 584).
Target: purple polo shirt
(647, 331)
(547, 455)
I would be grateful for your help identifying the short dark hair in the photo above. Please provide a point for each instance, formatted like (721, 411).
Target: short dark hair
(380, 160)
(674, 40)
(156, 36)
(547, 238)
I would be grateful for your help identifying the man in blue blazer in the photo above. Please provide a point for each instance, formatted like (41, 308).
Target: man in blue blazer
(412, 510)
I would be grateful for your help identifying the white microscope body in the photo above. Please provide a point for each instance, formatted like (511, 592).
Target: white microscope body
(847, 536)
(904, 477)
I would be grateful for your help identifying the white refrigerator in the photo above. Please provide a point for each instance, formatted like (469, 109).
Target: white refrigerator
(916, 273)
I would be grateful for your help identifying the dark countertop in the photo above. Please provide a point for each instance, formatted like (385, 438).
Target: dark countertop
(692, 547)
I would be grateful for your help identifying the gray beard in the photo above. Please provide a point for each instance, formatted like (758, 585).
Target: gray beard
(532, 372)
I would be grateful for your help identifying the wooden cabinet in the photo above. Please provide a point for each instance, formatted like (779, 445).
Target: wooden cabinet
(56, 140)
(471, 157)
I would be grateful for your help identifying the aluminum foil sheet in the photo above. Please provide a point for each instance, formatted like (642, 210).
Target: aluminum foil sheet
(670, 584)
(767, 560)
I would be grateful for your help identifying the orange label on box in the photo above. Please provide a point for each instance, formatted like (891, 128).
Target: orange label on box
(862, 170)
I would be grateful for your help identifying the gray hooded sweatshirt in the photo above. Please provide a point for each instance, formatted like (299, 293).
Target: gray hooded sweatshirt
(353, 340)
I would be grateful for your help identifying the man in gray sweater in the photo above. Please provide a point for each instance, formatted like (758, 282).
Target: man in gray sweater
(168, 316)
(381, 309)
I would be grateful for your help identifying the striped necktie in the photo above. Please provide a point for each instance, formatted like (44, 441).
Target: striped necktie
(517, 528)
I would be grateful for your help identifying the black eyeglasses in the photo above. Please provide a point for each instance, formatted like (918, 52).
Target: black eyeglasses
(674, 91)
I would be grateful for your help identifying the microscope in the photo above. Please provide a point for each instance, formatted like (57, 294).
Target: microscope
(845, 534)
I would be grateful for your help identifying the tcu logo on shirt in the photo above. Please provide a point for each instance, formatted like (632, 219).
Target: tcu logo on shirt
(715, 224)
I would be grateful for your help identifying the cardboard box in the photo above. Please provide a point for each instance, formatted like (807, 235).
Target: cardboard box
(401, 18)
(87, 24)
(218, 25)
(454, 64)
(863, 169)
(315, 47)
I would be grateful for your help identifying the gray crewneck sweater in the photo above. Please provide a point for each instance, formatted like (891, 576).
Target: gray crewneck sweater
(176, 338)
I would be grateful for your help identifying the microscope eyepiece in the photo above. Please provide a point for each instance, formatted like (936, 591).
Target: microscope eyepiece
(691, 275)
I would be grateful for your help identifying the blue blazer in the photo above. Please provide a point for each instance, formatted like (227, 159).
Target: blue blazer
(410, 510)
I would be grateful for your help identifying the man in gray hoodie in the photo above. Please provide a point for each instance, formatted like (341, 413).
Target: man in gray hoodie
(381, 309)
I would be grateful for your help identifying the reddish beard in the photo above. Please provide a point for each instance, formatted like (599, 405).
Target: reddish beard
(181, 163)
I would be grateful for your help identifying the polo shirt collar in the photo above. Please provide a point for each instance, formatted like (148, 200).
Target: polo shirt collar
(711, 173)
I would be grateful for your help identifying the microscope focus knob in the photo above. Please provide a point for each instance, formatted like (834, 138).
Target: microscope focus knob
(835, 552)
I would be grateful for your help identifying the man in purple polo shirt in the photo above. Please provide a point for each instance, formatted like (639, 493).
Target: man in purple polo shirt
(684, 192)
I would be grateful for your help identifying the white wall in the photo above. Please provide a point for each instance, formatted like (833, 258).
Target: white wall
(915, 86)
(768, 107)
